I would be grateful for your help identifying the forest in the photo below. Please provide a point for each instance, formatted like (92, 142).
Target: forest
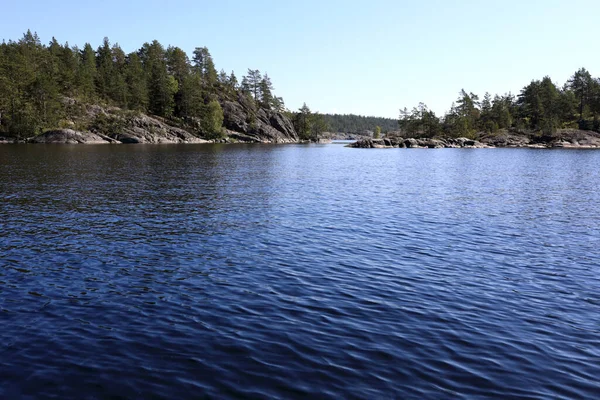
(541, 107)
(358, 124)
(43, 86)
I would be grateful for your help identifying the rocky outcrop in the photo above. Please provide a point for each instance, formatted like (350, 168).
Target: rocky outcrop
(139, 129)
(564, 138)
(245, 123)
(70, 136)
(399, 142)
(146, 129)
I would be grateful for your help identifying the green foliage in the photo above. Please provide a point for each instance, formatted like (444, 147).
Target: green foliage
(107, 124)
(302, 122)
(204, 65)
(251, 83)
(309, 125)
(463, 118)
(377, 132)
(161, 86)
(211, 119)
(135, 80)
(420, 122)
(29, 86)
(541, 108)
(265, 89)
(104, 70)
(40, 84)
(358, 124)
(87, 73)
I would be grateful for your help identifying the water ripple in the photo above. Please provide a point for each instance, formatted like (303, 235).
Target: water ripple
(297, 271)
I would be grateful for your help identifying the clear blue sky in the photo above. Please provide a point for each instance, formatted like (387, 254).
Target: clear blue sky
(366, 57)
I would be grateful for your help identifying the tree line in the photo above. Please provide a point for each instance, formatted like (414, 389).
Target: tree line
(541, 107)
(37, 80)
(310, 125)
(358, 124)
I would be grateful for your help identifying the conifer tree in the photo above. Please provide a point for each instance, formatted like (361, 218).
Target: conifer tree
(104, 70)
(87, 73)
(265, 88)
(580, 83)
(135, 79)
(161, 86)
(204, 65)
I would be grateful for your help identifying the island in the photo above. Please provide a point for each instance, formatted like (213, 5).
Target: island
(57, 93)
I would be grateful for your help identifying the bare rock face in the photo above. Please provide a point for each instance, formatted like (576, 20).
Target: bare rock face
(142, 129)
(70, 136)
(244, 122)
(242, 119)
(562, 138)
(146, 129)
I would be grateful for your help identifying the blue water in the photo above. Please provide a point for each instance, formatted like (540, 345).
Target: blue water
(249, 271)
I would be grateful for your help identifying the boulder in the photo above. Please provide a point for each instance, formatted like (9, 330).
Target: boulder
(410, 143)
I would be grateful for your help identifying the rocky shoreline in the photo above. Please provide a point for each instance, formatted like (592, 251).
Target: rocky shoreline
(242, 122)
(412, 143)
(566, 138)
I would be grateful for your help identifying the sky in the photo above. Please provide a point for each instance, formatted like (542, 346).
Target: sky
(367, 57)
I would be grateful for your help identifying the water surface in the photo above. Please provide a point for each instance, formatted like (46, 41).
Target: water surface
(243, 271)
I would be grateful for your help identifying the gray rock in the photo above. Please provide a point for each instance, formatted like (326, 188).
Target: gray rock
(244, 122)
(70, 136)
(146, 129)
(410, 143)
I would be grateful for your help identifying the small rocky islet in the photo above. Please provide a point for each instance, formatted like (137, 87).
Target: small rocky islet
(565, 138)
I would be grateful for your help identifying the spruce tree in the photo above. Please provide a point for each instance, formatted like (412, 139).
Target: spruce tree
(137, 87)
(87, 73)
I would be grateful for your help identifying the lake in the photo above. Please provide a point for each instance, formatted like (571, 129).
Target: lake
(289, 271)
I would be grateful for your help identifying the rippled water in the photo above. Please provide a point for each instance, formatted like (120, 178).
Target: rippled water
(226, 271)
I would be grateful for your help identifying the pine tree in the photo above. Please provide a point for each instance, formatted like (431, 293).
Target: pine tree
(68, 69)
(104, 70)
(87, 73)
(580, 83)
(251, 83)
(549, 101)
(265, 92)
(135, 79)
(302, 122)
(161, 86)
(178, 65)
(191, 102)
(204, 65)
